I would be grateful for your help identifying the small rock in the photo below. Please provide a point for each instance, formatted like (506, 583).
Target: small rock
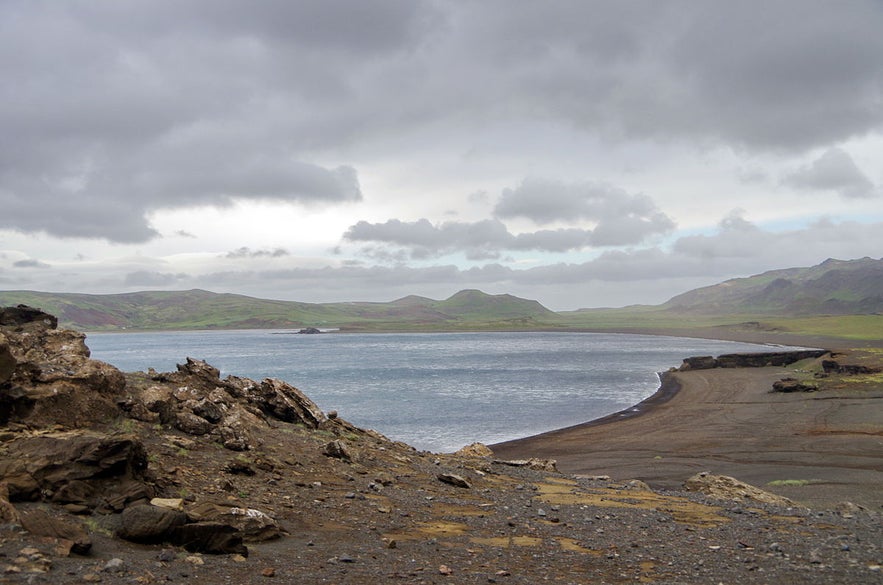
(269, 572)
(454, 480)
(445, 570)
(338, 450)
(168, 503)
(195, 560)
(114, 565)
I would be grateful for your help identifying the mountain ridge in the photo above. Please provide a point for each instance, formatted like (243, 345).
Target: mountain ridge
(831, 288)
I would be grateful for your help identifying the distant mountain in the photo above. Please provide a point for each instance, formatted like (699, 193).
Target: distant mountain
(834, 287)
(199, 309)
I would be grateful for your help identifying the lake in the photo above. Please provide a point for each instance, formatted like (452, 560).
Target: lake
(435, 391)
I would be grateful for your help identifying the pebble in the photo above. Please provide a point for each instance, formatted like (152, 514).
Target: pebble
(114, 566)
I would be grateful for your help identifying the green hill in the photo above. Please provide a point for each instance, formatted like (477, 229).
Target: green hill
(835, 298)
(199, 309)
(834, 287)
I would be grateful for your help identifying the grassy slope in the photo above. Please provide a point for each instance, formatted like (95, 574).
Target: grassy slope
(742, 307)
(196, 309)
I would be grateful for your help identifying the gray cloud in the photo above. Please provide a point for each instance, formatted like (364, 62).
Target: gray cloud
(621, 218)
(246, 252)
(483, 240)
(117, 111)
(152, 279)
(835, 171)
(649, 275)
(30, 263)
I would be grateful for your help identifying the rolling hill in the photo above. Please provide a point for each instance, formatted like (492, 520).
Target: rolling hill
(199, 309)
(836, 297)
(834, 287)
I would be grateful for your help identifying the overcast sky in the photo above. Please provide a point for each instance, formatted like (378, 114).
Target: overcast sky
(580, 153)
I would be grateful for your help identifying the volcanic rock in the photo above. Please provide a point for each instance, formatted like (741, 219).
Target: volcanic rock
(150, 524)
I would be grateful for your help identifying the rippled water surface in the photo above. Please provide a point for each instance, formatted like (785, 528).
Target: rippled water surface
(435, 391)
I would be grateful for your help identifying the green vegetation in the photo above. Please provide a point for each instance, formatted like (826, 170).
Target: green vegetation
(791, 482)
(838, 299)
(859, 327)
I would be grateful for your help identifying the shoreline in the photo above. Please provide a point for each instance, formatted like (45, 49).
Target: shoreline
(815, 449)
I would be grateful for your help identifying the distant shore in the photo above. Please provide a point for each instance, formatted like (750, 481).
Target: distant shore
(727, 421)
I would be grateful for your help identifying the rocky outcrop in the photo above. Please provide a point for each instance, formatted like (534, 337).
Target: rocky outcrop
(835, 367)
(750, 360)
(75, 467)
(788, 385)
(724, 487)
(475, 450)
(62, 443)
(47, 376)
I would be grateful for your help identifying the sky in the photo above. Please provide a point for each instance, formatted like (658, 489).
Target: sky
(580, 153)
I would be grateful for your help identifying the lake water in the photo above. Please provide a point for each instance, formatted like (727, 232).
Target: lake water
(435, 391)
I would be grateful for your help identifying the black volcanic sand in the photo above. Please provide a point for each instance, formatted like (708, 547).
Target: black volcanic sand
(728, 421)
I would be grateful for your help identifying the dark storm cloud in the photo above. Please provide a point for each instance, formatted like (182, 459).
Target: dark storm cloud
(119, 109)
(833, 171)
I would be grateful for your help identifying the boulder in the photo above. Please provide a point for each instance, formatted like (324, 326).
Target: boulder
(252, 524)
(8, 513)
(150, 524)
(454, 480)
(7, 360)
(338, 450)
(286, 403)
(191, 424)
(71, 467)
(24, 315)
(41, 523)
(210, 537)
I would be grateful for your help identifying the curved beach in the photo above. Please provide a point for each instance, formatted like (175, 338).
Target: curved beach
(728, 422)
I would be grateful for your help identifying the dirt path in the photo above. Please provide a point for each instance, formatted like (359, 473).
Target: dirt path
(727, 421)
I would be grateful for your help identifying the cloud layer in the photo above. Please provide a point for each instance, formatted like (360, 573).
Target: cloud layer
(433, 143)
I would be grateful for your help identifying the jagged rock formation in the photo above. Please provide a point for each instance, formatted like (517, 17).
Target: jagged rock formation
(189, 460)
(66, 443)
